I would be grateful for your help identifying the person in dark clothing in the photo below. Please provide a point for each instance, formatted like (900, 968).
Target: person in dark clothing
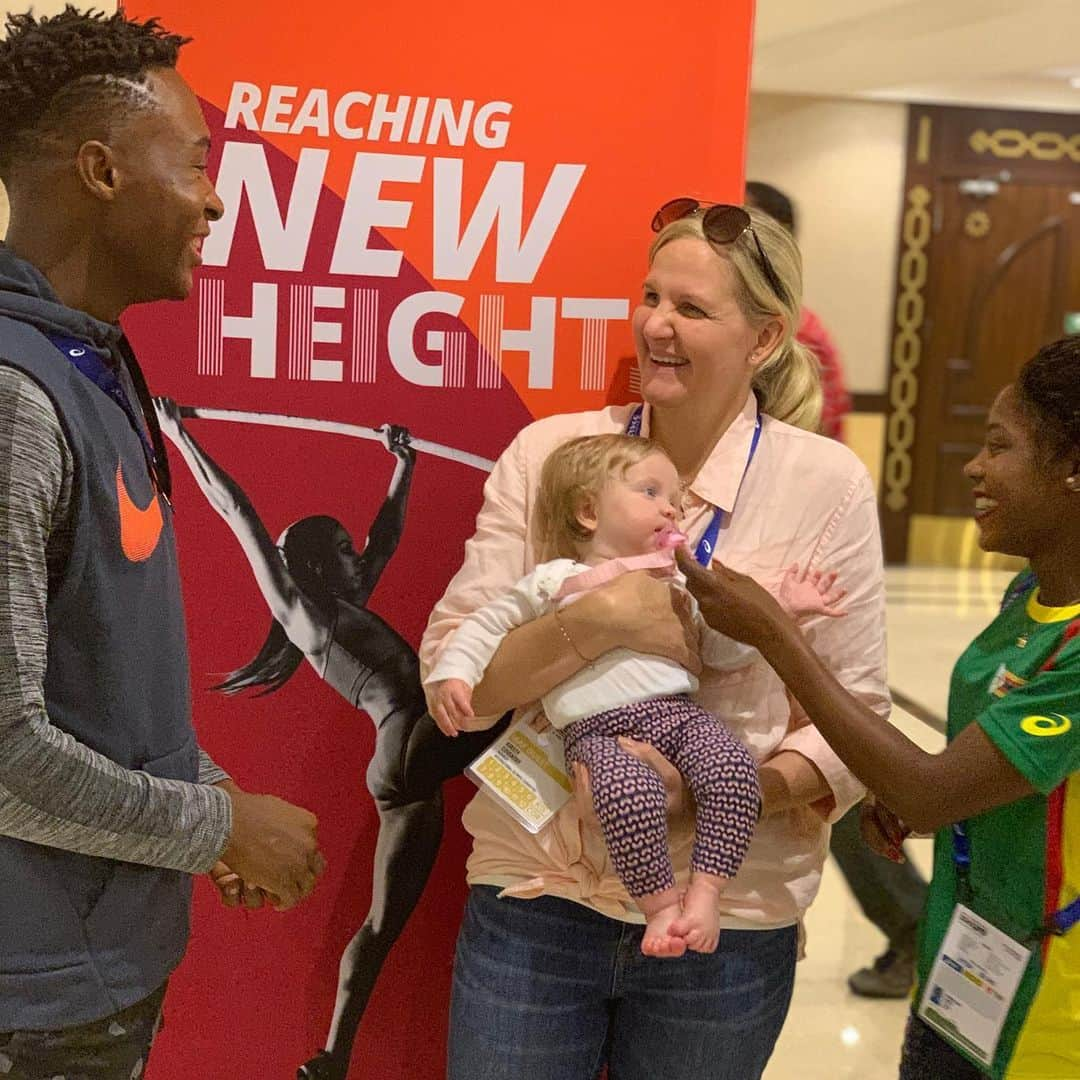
(107, 805)
(891, 894)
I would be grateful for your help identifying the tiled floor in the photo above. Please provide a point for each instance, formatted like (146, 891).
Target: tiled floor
(830, 1033)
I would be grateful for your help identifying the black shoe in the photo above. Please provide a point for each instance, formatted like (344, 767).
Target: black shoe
(891, 976)
(321, 1067)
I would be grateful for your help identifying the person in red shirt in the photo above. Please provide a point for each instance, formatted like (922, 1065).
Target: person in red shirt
(836, 401)
(811, 332)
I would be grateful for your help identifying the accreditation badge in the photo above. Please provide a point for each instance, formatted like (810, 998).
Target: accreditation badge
(524, 771)
(972, 984)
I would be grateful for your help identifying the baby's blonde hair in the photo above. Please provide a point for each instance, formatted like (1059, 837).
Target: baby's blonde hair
(573, 474)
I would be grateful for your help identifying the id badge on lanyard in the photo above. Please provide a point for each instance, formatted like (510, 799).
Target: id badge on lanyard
(524, 771)
(706, 547)
(973, 984)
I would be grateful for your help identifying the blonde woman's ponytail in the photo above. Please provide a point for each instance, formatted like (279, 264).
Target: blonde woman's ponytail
(789, 387)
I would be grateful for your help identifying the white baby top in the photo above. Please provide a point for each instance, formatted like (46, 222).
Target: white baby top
(618, 677)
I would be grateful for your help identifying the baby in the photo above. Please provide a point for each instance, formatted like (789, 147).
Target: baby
(607, 504)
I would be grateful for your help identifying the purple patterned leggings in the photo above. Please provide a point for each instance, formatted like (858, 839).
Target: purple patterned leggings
(631, 802)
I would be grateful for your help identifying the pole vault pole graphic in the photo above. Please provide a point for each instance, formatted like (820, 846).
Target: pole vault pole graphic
(332, 427)
(366, 661)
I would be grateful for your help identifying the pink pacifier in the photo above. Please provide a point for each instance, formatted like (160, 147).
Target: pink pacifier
(669, 537)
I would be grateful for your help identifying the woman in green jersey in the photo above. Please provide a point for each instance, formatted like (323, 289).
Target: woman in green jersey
(999, 966)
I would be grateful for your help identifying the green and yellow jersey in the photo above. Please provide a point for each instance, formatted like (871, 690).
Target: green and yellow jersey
(1025, 857)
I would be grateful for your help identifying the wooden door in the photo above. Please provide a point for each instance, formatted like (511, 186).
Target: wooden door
(988, 271)
(999, 290)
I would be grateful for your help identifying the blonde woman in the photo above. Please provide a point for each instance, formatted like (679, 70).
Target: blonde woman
(549, 979)
(606, 507)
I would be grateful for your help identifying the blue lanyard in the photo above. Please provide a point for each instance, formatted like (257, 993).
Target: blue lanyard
(1061, 922)
(1064, 920)
(94, 366)
(707, 544)
(1021, 587)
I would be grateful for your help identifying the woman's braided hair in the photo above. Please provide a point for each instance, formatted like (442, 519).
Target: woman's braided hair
(72, 73)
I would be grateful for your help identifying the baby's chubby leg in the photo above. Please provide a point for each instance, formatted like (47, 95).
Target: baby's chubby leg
(723, 777)
(662, 910)
(631, 805)
(699, 923)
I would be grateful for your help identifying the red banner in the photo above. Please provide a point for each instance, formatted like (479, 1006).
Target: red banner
(437, 218)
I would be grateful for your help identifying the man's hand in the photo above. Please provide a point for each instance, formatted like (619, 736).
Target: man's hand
(233, 892)
(451, 706)
(273, 847)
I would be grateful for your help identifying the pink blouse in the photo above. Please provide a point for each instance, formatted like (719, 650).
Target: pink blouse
(804, 499)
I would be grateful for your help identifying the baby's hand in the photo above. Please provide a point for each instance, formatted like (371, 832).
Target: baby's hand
(807, 592)
(451, 705)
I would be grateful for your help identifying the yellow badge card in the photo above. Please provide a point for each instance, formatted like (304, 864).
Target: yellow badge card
(524, 770)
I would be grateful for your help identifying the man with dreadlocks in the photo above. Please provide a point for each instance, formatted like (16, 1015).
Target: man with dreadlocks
(107, 805)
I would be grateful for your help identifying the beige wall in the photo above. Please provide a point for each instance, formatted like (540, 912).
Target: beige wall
(842, 162)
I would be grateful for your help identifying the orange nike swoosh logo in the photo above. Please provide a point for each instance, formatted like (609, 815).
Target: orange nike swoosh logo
(140, 529)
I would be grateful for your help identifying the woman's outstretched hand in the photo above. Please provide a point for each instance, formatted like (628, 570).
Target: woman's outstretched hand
(732, 603)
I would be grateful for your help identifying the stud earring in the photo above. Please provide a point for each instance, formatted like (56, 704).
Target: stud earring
(1072, 482)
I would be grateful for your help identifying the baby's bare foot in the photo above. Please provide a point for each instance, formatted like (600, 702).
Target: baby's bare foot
(699, 924)
(658, 939)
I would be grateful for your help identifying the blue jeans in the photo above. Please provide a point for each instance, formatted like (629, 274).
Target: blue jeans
(547, 989)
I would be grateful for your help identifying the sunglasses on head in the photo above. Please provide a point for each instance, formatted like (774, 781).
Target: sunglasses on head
(722, 223)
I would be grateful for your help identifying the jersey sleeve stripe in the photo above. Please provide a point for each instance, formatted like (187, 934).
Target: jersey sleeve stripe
(1055, 871)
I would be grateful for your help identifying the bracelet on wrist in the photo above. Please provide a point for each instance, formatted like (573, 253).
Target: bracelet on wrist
(569, 640)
